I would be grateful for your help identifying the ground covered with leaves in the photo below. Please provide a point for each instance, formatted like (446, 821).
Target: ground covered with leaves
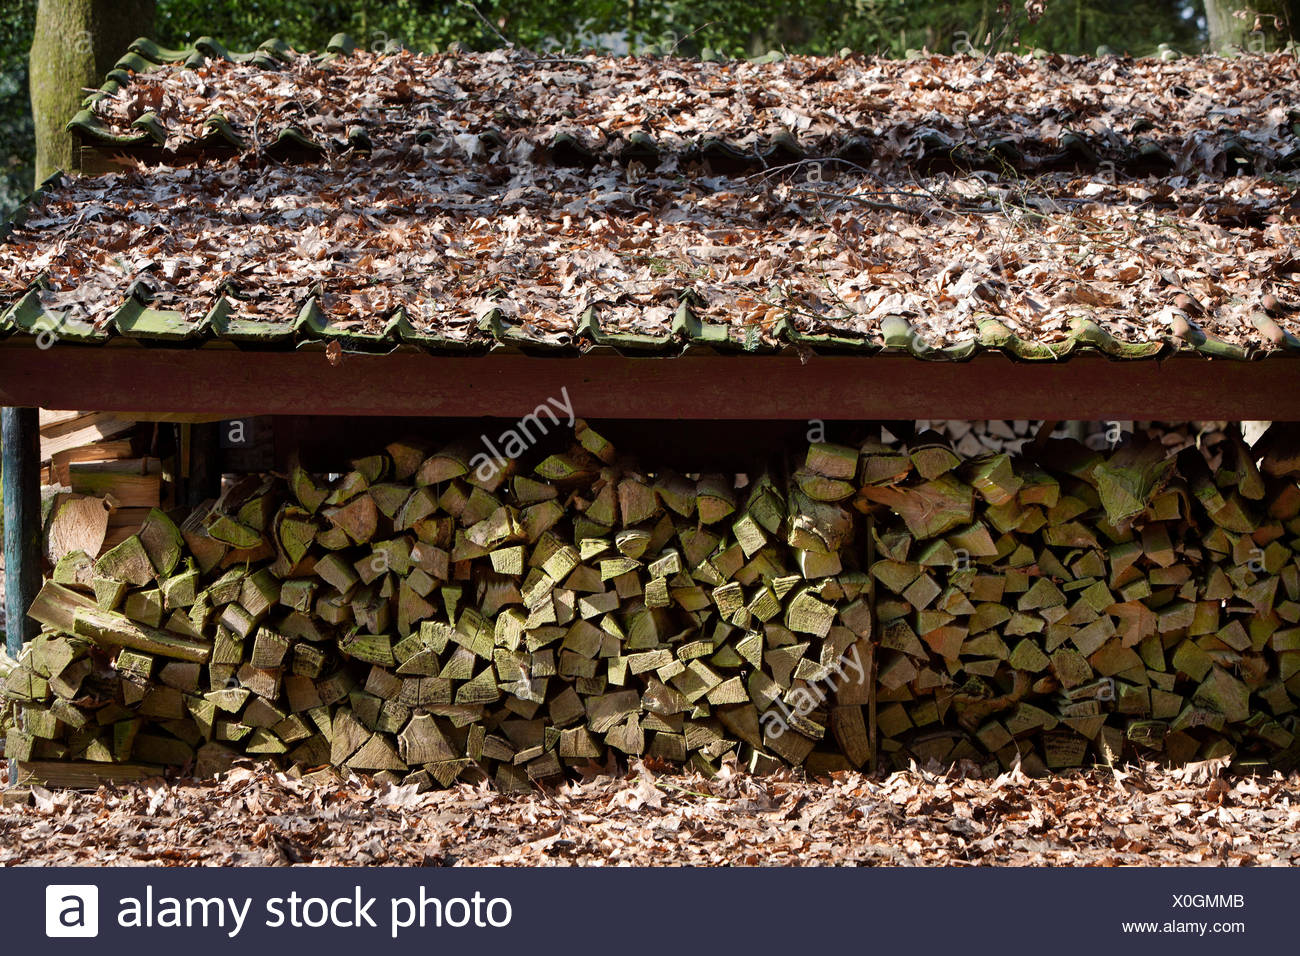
(1138, 816)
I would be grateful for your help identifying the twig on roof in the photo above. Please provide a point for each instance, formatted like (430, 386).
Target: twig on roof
(864, 201)
(682, 39)
(486, 22)
(770, 171)
(257, 140)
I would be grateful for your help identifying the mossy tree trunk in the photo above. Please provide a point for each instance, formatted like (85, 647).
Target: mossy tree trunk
(75, 44)
(1255, 25)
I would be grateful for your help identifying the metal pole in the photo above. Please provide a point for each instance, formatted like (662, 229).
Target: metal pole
(20, 457)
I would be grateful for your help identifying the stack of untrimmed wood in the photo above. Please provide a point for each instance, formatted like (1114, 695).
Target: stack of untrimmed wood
(1087, 606)
(427, 617)
(70, 437)
(111, 487)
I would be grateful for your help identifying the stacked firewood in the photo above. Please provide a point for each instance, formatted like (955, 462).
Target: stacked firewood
(1086, 605)
(422, 618)
(8, 710)
(433, 616)
(104, 487)
(972, 438)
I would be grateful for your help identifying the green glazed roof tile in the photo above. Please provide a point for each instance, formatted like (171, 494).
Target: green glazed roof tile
(133, 62)
(212, 48)
(313, 324)
(591, 330)
(293, 138)
(1274, 333)
(901, 336)
(24, 211)
(341, 45)
(697, 335)
(88, 124)
(1212, 346)
(778, 146)
(29, 315)
(786, 331)
(150, 125)
(1087, 332)
(1217, 348)
(224, 324)
(217, 131)
(510, 336)
(996, 335)
(135, 319)
(408, 334)
(150, 51)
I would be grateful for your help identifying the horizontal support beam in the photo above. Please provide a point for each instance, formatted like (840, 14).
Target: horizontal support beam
(229, 383)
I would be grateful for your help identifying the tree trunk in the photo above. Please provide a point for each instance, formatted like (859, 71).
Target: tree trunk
(76, 43)
(1254, 25)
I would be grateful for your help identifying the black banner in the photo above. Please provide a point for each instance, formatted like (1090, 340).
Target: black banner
(634, 911)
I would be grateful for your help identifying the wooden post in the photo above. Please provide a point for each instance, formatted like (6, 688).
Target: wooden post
(20, 448)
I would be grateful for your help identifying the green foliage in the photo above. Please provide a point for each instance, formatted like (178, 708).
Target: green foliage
(732, 27)
(17, 143)
(417, 24)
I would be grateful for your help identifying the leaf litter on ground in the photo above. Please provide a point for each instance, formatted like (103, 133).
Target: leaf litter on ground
(1136, 815)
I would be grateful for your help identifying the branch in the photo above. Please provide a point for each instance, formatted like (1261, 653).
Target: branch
(486, 22)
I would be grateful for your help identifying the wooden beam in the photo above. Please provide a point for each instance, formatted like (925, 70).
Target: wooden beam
(234, 383)
(20, 452)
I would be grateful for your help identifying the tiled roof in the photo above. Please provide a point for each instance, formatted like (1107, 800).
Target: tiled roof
(938, 206)
(1211, 115)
